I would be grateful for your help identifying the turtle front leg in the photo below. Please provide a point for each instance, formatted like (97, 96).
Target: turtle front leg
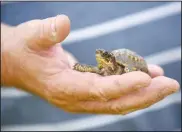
(86, 68)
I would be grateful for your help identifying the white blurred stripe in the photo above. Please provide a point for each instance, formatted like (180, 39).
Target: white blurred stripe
(13, 93)
(123, 23)
(177, 130)
(161, 58)
(92, 122)
(165, 57)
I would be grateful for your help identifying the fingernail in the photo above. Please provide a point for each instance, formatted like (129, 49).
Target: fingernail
(177, 86)
(53, 31)
(53, 26)
(173, 88)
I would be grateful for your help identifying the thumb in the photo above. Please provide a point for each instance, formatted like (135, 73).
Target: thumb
(50, 31)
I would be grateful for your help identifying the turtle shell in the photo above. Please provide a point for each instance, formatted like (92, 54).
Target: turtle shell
(130, 59)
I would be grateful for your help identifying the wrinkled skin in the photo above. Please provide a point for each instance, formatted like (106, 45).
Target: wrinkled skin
(34, 61)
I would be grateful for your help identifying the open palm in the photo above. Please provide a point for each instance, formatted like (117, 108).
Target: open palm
(39, 65)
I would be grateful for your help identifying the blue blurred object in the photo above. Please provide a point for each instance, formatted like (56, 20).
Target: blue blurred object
(149, 38)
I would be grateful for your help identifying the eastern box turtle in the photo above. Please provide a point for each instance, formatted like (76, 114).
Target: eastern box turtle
(115, 62)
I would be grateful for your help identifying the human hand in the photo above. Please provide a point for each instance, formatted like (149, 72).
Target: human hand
(36, 62)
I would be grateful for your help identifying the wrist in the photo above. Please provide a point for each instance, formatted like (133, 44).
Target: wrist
(6, 70)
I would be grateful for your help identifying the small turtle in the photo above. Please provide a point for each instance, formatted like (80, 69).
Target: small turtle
(116, 62)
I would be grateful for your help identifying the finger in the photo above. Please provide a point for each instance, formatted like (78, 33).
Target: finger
(155, 70)
(160, 88)
(88, 86)
(50, 31)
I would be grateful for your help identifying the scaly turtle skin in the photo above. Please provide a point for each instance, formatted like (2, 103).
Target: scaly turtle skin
(116, 62)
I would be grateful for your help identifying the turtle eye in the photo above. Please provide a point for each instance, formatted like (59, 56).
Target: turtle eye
(105, 54)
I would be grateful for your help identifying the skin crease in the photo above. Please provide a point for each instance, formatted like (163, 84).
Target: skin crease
(35, 61)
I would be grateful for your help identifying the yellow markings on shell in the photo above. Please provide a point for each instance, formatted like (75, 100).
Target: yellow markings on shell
(130, 56)
(133, 57)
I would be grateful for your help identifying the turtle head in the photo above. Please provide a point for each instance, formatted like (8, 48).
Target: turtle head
(104, 58)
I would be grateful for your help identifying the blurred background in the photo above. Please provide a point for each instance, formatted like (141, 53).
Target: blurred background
(152, 29)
